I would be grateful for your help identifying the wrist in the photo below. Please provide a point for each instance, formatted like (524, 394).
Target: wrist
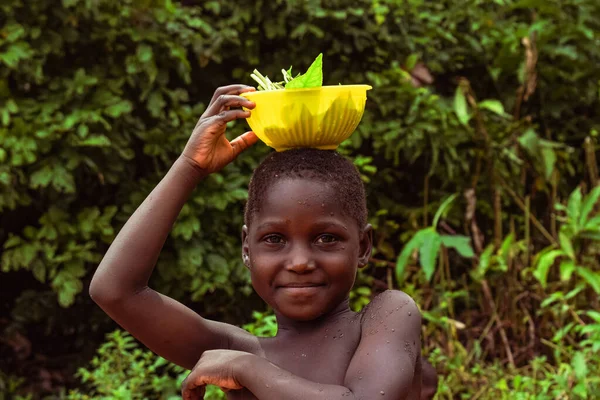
(245, 367)
(190, 170)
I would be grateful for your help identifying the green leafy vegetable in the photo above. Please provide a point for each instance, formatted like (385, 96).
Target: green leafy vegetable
(312, 78)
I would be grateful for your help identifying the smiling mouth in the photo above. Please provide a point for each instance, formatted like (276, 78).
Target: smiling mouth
(301, 285)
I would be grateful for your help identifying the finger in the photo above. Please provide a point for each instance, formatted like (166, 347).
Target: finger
(196, 393)
(231, 89)
(227, 116)
(224, 102)
(242, 142)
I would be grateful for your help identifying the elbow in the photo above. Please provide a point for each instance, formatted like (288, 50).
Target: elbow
(104, 293)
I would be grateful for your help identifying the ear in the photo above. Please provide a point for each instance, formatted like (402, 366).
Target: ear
(245, 251)
(366, 246)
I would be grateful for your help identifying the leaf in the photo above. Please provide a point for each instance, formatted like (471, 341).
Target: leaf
(460, 106)
(144, 53)
(566, 245)
(116, 110)
(588, 205)
(41, 178)
(407, 252)
(505, 248)
(312, 78)
(549, 158)
(529, 141)
(494, 106)
(593, 223)
(544, 264)
(429, 251)
(566, 270)
(96, 141)
(484, 262)
(580, 365)
(443, 209)
(574, 207)
(462, 244)
(591, 277)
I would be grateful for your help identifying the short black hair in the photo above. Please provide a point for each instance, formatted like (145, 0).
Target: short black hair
(326, 166)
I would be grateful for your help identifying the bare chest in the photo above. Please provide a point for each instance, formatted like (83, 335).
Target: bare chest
(322, 357)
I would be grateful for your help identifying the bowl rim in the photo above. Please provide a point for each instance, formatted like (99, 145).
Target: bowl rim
(320, 88)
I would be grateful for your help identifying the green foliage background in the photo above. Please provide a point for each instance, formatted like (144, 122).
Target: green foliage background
(97, 99)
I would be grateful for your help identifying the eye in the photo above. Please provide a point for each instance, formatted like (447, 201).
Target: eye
(327, 238)
(274, 239)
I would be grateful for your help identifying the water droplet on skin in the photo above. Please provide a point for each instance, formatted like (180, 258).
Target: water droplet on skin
(382, 393)
(397, 308)
(303, 355)
(342, 335)
(409, 313)
(360, 377)
(393, 330)
(387, 341)
(268, 387)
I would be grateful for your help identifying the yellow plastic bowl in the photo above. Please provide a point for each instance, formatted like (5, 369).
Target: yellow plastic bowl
(320, 117)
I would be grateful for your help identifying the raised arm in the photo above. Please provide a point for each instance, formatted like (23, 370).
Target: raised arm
(386, 364)
(120, 284)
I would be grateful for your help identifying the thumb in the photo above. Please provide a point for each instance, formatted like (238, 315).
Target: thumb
(242, 142)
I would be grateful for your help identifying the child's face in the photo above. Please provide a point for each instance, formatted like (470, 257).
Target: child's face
(303, 251)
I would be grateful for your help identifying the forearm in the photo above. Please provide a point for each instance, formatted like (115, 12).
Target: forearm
(269, 382)
(130, 260)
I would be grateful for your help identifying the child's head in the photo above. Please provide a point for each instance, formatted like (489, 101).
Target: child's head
(323, 166)
(306, 231)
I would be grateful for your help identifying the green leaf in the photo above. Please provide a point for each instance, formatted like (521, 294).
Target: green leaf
(484, 262)
(41, 178)
(580, 365)
(443, 209)
(566, 245)
(544, 264)
(494, 106)
(566, 270)
(460, 106)
(529, 141)
(574, 207)
(96, 141)
(588, 205)
(505, 248)
(549, 159)
(312, 78)
(591, 277)
(462, 244)
(593, 223)
(144, 53)
(429, 251)
(407, 252)
(116, 110)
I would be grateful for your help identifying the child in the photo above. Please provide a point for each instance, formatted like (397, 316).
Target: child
(305, 235)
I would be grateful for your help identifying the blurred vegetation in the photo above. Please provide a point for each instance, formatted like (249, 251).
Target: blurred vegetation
(479, 148)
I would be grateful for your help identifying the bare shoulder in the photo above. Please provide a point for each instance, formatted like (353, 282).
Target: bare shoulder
(390, 308)
(387, 359)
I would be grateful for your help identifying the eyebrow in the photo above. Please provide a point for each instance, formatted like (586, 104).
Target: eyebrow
(319, 225)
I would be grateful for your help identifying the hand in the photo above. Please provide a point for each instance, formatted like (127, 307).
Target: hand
(215, 367)
(208, 149)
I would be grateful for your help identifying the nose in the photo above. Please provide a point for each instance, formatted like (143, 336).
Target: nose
(300, 260)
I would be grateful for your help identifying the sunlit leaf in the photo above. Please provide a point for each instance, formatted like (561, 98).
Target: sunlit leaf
(460, 106)
(591, 277)
(407, 251)
(588, 205)
(429, 251)
(462, 244)
(544, 264)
